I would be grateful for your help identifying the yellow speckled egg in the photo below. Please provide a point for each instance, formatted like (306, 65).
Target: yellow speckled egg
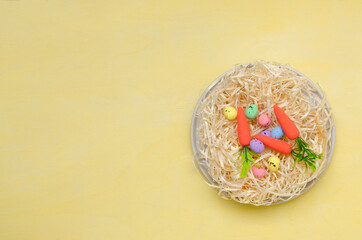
(230, 113)
(273, 163)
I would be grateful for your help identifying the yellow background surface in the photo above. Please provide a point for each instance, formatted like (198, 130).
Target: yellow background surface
(96, 99)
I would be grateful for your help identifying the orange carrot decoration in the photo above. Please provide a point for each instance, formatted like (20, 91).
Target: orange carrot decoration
(245, 153)
(243, 128)
(288, 126)
(301, 151)
(276, 144)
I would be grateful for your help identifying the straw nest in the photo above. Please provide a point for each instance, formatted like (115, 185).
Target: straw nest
(264, 84)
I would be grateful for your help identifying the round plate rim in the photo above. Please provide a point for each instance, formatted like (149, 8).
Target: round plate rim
(194, 124)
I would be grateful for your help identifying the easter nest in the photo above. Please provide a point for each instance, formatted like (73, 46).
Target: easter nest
(215, 139)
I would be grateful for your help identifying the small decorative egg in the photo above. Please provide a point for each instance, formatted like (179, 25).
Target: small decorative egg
(230, 113)
(264, 120)
(258, 172)
(256, 146)
(266, 133)
(273, 163)
(251, 111)
(277, 132)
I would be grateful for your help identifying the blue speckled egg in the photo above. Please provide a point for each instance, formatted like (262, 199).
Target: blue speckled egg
(266, 133)
(277, 132)
(256, 146)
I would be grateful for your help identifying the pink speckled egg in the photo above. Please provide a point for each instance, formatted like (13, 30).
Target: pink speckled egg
(264, 120)
(258, 172)
(266, 133)
(256, 146)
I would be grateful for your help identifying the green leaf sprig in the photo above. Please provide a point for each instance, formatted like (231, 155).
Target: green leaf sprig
(246, 156)
(301, 152)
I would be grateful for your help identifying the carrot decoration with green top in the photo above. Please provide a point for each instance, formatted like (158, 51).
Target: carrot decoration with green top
(276, 144)
(243, 128)
(301, 151)
(245, 153)
(288, 126)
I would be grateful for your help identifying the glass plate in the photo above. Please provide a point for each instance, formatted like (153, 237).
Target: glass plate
(200, 162)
